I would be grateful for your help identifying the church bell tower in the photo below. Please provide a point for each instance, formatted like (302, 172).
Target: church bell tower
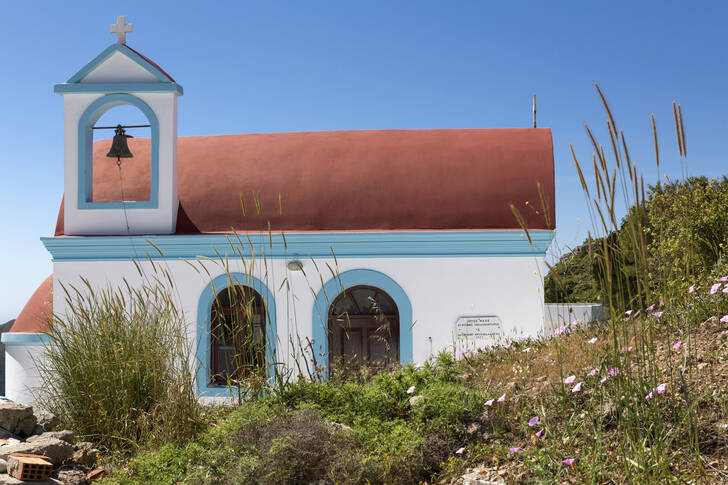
(119, 76)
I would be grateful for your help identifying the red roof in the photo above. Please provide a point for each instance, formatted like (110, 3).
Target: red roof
(36, 314)
(349, 180)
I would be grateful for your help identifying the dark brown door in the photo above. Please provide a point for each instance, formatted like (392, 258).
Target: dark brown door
(363, 328)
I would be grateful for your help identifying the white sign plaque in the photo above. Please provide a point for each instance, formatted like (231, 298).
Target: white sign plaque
(476, 332)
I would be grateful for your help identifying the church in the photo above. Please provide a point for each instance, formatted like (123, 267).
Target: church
(419, 229)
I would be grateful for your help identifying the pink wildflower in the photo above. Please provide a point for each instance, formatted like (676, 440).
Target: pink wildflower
(575, 323)
(569, 380)
(568, 461)
(502, 398)
(676, 346)
(489, 402)
(559, 330)
(649, 396)
(602, 381)
(533, 421)
(614, 371)
(662, 302)
(628, 312)
(515, 449)
(593, 372)
(524, 338)
(460, 451)
(725, 290)
(661, 388)
(411, 390)
(724, 319)
(691, 289)
(592, 340)
(657, 314)
(577, 388)
(714, 288)
(627, 349)
(527, 349)
(723, 278)
(651, 307)
(539, 434)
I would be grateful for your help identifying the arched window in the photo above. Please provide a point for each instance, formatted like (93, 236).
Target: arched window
(363, 328)
(237, 336)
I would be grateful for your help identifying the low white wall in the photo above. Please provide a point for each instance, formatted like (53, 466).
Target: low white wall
(440, 291)
(21, 376)
(559, 314)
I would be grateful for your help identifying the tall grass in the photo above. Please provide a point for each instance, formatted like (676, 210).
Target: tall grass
(117, 369)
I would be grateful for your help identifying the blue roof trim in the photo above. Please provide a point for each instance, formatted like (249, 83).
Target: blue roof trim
(303, 245)
(25, 339)
(108, 52)
(118, 88)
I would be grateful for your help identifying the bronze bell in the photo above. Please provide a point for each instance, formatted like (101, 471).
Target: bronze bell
(119, 148)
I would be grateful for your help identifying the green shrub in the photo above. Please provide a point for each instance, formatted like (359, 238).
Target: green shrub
(117, 369)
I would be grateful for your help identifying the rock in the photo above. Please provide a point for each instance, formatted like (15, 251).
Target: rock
(72, 477)
(85, 454)
(95, 474)
(3, 466)
(416, 401)
(17, 418)
(46, 419)
(482, 476)
(334, 427)
(6, 479)
(57, 450)
(64, 435)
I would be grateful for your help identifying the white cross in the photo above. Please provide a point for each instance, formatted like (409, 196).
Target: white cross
(120, 28)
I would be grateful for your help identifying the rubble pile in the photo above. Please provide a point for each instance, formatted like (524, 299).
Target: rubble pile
(31, 447)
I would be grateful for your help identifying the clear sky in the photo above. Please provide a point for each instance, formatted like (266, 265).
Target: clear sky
(251, 67)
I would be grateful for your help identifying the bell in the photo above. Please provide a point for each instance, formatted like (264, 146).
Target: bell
(119, 148)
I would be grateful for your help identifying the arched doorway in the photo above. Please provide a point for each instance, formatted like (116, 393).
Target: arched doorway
(237, 335)
(363, 328)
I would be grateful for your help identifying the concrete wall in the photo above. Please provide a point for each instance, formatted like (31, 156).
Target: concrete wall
(559, 314)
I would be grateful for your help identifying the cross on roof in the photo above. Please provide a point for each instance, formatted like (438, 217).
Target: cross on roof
(120, 28)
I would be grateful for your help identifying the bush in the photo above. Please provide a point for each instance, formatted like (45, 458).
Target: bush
(117, 370)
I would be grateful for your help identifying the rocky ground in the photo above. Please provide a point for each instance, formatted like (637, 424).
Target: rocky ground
(25, 431)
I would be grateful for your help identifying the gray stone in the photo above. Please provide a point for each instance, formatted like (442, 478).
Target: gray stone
(85, 454)
(3, 466)
(57, 450)
(416, 401)
(6, 479)
(72, 477)
(65, 435)
(17, 418)
(48, 420)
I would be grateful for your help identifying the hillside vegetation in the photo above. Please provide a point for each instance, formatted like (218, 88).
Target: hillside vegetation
(639, 398)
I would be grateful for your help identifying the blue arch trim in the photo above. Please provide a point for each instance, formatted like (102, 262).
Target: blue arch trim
(204, 309)
(85, 153)
(348, 279)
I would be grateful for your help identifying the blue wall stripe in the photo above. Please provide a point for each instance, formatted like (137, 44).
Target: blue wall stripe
(65, 88)
(303, 245)
(24, 339)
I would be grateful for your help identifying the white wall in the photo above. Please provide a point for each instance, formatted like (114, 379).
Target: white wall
(440, 290)
(21, 376)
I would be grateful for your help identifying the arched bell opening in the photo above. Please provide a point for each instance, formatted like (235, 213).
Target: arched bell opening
(237, 335)
(121, 158)
(363, 329)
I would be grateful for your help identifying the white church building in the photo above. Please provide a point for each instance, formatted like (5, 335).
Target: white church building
(418, 225)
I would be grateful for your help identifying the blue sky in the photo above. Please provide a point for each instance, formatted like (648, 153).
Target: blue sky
(294, 66)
